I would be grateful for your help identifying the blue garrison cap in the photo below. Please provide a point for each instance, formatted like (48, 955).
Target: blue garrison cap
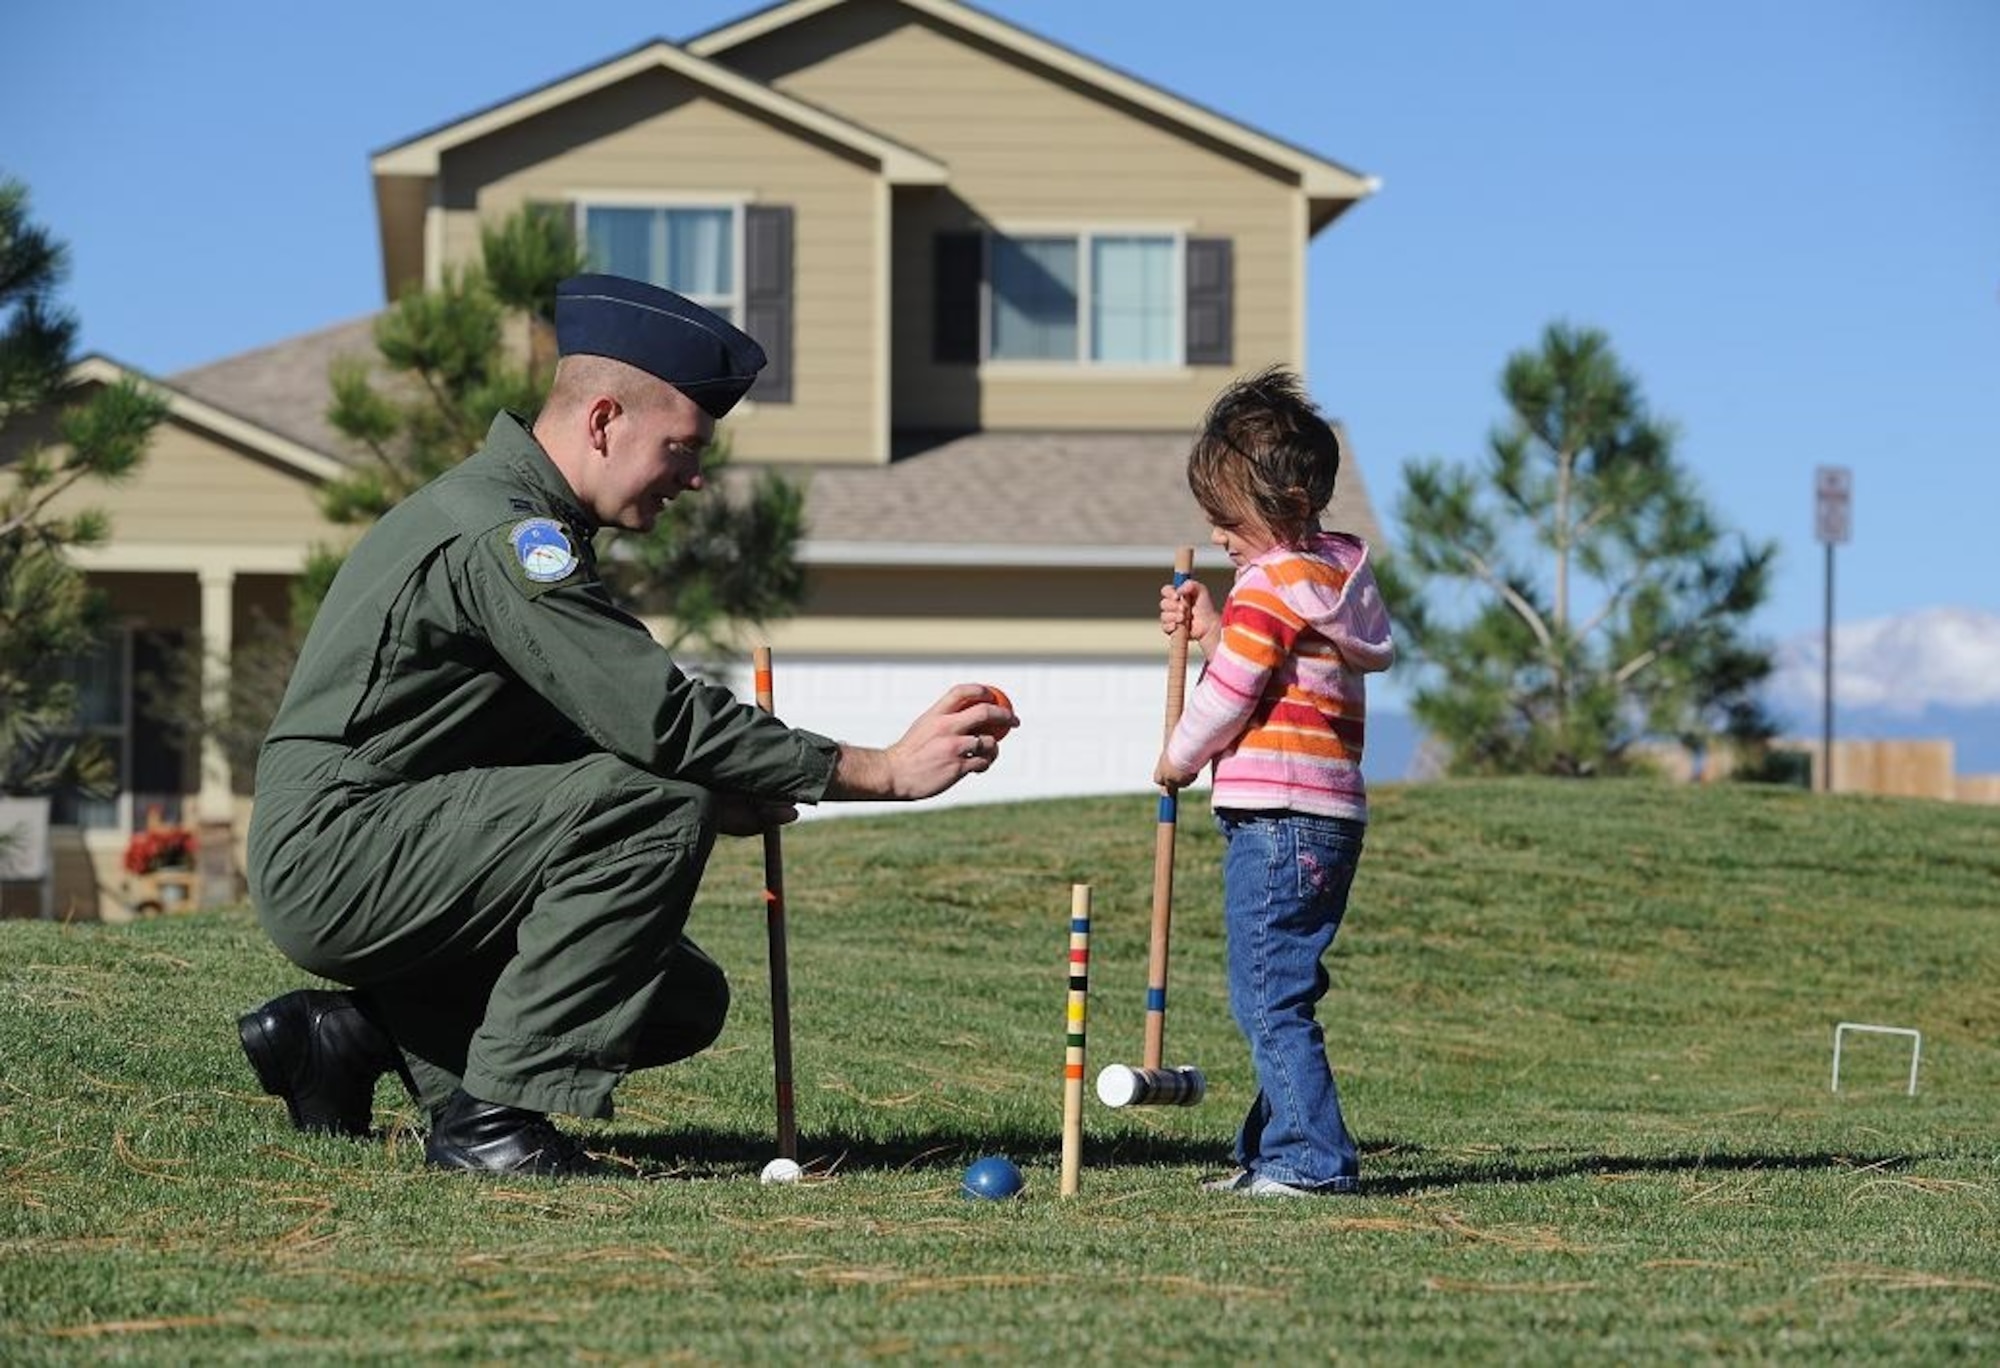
(696, 351)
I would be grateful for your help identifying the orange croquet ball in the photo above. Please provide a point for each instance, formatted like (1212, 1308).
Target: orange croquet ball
(998, 695)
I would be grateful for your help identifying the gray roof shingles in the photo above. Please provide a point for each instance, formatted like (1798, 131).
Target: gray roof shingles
(284, 387)
(1089, 490)
(1095, 493)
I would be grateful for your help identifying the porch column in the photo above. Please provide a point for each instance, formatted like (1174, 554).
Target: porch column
(217, 802)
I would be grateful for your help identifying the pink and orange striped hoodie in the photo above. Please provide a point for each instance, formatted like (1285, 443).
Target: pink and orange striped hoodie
(1282, 706)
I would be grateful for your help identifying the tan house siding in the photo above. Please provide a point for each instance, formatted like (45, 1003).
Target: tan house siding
(990, 592)
(658, 137)
(205, 496)
(1030, 149)
(873, 612)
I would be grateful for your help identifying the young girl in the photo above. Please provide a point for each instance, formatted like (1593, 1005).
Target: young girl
(1280, 710)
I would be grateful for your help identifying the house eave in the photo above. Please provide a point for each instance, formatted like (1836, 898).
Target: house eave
(993, 556)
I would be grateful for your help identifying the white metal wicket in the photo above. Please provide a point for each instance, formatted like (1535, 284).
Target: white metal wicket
(1916, 1047)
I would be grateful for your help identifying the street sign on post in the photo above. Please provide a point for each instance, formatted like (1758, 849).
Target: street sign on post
(1833, 489)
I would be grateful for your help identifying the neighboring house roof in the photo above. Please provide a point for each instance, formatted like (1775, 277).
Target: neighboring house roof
(1331, 187)
(186, 406)
(285, 387)
(1029, 498)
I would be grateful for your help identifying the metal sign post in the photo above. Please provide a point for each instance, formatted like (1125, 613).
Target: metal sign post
(1833, 487)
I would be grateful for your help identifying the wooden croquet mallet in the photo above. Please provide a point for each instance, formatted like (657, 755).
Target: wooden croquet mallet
(1152, 1084)
(774, 928)
(1163, 839)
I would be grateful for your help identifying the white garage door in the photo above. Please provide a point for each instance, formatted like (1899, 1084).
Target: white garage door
(1087, 726)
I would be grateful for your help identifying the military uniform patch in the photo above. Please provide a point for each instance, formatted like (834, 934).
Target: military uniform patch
(543, 550)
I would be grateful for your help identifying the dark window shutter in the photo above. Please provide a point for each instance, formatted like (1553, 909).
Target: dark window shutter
(767, 297)
(1211, 303)
(955, 324)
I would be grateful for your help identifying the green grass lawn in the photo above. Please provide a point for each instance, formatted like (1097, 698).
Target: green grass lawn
(1584, 1032)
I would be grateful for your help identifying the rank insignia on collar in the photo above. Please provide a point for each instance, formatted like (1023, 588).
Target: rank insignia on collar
(543, 549)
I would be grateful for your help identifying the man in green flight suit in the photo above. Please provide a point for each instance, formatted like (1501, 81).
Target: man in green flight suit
(488, 795)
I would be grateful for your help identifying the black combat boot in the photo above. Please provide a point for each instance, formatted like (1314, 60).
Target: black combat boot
(487, 1137)
(322, 1056)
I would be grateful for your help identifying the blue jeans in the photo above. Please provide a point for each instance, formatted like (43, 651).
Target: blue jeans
(1285, 879)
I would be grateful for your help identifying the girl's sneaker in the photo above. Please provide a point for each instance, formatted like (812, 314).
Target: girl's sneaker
(1257, 1185)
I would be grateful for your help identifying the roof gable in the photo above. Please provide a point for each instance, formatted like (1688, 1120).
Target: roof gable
(420, 156)
(199, 414)
(1330, 186)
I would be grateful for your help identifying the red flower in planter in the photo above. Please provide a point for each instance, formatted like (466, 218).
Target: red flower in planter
(159, 847)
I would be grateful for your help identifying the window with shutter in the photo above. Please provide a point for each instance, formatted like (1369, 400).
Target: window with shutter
(1088, 298)
(1085, 298)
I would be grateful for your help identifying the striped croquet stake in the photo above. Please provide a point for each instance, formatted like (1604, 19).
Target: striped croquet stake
(774, 927)
(1079, 995)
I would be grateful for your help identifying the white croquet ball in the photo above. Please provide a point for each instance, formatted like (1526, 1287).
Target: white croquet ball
(781, 1171)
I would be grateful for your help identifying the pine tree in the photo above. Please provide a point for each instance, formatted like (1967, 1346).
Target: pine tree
(52, 439)
(1598, 600)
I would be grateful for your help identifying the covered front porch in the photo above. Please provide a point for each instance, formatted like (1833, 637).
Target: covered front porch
(205, 540)
(176, 631)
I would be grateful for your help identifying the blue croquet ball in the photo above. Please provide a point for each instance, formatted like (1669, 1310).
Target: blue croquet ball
(993, 1178)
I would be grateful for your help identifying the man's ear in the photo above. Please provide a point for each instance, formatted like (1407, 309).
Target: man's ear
(597, 418)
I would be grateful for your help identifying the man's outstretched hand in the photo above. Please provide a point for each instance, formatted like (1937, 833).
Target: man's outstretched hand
(956, 736)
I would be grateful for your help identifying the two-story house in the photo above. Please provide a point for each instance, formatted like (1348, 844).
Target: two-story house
(999, 282)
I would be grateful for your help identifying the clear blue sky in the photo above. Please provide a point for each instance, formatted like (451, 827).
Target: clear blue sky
(1785, 213)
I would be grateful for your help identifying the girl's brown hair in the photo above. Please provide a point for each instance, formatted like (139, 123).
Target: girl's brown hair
(1265, 448)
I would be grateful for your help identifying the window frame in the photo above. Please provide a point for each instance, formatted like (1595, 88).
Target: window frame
(1084, 237)
(731, 305)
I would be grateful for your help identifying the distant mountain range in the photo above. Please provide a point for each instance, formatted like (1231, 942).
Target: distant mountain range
(1933, 674)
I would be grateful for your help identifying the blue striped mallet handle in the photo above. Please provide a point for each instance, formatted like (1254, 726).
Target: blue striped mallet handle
(1120, 1085)
(1163, 839)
